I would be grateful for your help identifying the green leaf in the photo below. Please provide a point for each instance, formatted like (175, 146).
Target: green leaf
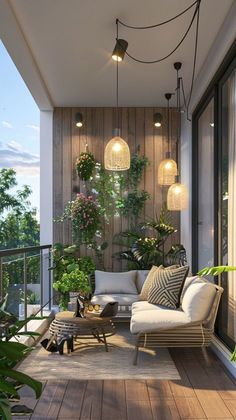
(5, 409)
(13, 351)
(8, 388)
(215, 271)
(25, 379)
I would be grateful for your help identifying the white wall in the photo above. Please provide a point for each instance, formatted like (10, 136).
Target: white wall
(46, 177)
(221, 45)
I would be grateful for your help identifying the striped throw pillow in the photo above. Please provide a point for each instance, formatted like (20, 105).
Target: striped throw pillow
(167, 286)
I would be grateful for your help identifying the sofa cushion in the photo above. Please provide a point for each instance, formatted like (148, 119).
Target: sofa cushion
(115, 283)
(150, 320)
(190, 280)
(167, 286)
(147, 283)
(143, 305)
(198, 299)
(140, 279)
(122, 299)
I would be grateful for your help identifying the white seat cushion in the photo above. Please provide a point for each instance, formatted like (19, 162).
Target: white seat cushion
(149, 320)
(115, 283)
(198, 299)
(122, 299)
(143, 305)
(140, 279)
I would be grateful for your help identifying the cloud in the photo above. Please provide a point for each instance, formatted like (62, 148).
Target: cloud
(33, 127)
(7, 124)
(23, 161)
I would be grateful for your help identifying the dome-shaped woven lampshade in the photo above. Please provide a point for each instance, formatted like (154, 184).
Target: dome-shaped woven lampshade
(117, 155)
(177, 197)
(167, 171)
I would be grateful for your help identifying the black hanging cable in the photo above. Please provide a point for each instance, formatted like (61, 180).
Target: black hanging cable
(117, 87)
(172, 52)
(158, 24)
(194, 60)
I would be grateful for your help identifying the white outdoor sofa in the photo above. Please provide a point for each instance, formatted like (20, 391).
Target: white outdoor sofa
(191, 325)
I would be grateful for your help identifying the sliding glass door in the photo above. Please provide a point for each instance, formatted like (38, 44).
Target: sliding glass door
(205, 211)
(214, 189)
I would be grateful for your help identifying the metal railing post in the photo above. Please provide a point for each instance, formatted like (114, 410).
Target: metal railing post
(41, 281)
(49, 280)
(1, 280)
(25, 288)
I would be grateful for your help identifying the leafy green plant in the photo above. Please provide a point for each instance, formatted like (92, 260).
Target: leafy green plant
(11, 353)
(85, 165)
(137, 166)
(216, 271)
(133, 204)
(74, 281)
(145, 244)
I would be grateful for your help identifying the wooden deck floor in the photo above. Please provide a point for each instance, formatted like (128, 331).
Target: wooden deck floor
(205, 391)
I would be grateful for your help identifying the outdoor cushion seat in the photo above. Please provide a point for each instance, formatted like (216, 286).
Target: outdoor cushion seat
(144, 305)
(152, 320)
(122, 299)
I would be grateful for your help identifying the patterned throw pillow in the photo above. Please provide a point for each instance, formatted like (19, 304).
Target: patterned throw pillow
(148, 282)
(167, 286)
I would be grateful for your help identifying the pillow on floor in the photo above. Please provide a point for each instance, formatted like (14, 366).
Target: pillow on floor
(167, 286)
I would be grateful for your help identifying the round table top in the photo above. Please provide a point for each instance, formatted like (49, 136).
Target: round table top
(91, 318)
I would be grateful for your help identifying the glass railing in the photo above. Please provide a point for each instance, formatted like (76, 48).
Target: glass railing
(25, 279)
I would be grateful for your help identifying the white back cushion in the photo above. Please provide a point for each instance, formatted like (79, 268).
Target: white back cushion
(140, 279)
(197, 300)
(113, 283)
(190, 280)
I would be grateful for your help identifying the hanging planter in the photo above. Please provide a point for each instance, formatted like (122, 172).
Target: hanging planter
(85, 217)
(85, 165)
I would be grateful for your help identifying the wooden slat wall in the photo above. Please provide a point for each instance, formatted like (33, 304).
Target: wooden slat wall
(137, 129)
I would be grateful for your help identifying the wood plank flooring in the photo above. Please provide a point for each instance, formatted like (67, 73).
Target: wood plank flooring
(205, 391)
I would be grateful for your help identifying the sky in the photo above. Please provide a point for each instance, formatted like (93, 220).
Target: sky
(19, 127)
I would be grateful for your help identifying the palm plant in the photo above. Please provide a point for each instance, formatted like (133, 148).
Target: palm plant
(145, 243)
(216, 271)
(11, 353)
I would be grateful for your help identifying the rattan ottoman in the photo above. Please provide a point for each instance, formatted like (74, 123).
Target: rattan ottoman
(66, 325)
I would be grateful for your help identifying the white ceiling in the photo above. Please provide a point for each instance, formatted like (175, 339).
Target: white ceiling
(71, 42)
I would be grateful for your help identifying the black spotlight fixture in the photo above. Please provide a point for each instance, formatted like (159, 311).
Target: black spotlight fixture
(79, 119)
(157, 119)
(119, 50)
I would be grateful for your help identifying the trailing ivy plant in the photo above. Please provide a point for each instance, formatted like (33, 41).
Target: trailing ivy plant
(132, 203)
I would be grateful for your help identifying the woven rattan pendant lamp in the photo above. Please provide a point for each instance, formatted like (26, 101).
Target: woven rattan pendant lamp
(167, 170)
(117, 153)
(177, 195)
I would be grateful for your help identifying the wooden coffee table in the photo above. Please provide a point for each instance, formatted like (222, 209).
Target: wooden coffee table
(66, 324)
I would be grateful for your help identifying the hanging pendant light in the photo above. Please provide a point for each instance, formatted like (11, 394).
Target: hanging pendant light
(177, 195)
(117, 153)
(167, 170)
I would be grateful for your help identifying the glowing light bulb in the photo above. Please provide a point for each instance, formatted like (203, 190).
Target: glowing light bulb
(117, 147)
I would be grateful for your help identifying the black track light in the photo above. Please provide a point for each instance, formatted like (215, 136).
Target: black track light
(157, 119)
(119, 50)
(79, 119)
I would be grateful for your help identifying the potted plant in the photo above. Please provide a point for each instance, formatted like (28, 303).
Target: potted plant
(72, 281)
(85, 165)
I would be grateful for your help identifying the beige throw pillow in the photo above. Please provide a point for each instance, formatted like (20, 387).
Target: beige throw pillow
(148, 282)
